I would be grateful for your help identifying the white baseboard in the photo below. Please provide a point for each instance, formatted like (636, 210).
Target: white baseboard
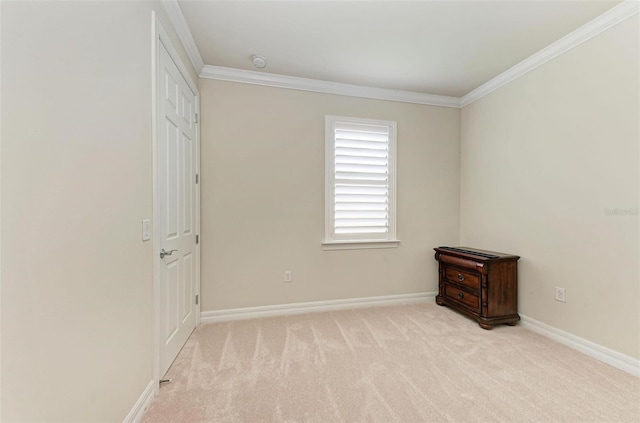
(621, 361)
(311, 307)
(137, 412)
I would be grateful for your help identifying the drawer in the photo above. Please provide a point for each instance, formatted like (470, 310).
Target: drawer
(472, 280)
(470, 300)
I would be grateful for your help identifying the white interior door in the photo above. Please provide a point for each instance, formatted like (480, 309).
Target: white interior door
(177, 204)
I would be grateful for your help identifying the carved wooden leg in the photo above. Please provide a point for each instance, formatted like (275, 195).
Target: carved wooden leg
(485, 326)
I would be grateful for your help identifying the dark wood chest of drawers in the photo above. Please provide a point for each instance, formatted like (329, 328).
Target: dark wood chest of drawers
(481, 284)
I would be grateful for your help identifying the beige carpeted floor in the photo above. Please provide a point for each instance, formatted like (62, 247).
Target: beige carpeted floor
(415, 363)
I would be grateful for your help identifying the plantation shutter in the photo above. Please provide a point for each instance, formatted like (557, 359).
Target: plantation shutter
(361, 181)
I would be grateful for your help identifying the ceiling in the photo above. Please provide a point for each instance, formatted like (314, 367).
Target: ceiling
(444, 48)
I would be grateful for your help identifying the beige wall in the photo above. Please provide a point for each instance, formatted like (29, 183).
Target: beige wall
(542, 158)
(263, 198)
(77, 322)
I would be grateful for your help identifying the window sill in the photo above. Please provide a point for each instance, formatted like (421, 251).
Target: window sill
(360, 244)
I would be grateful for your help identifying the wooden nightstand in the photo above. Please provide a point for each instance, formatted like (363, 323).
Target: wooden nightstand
(481, 284)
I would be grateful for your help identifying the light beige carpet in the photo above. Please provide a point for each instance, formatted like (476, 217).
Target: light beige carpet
(415, 363)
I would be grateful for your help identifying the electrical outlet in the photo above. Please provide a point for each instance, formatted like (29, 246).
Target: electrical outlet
(561, 295)
(287, 276)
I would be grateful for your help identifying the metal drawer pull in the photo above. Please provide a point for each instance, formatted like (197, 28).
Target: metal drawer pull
(166, 253)
(460, 295)
(460, 277)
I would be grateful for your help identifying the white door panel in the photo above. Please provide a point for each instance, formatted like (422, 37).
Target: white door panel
(188, 187)
(172, 284)
(177, 155)
(187, 294)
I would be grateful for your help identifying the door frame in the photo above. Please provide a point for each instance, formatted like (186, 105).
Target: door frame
(160, 36)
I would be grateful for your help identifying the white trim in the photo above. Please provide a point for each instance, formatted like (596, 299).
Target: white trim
(606, 355)
(0, 238)
(360, 244)
(612, 17)
(198, 211)
(184, 33)
(327, 87)
(166, 41)
(156, 28)
(358, 240)
(315, 306)
(140, 407)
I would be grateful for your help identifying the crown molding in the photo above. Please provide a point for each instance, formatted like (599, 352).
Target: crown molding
(305, 84)
(612, 17)
(184, 33)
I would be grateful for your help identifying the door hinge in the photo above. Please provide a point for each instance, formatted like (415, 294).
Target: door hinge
(196, 118)
(197, 239)
(197, 178)
(197, 299)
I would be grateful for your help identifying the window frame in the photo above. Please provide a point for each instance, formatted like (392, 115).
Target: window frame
(351, 241)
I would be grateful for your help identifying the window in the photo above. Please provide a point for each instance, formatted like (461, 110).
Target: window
(360, 183)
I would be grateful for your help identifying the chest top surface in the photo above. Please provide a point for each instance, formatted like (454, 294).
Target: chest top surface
(474, 254)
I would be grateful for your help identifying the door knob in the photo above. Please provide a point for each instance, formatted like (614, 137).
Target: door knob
(166, 253)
